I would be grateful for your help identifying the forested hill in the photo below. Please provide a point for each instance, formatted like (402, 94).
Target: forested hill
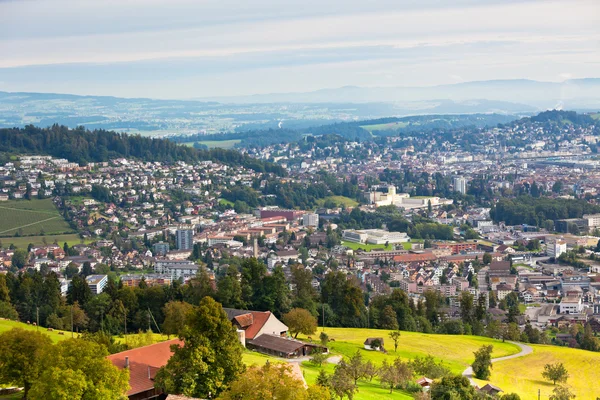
(83, 146)
(355, 130)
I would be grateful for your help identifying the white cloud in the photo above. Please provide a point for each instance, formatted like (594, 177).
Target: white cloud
(464, 39)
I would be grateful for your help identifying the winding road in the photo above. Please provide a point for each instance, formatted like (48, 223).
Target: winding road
(525, 350)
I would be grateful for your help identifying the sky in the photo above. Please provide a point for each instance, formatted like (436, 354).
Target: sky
(205, 48)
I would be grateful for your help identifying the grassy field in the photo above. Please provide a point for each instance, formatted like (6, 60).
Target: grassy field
(456, 352)
(369, 247)
(226, 202)
(23, 241)
(524, 375)
(31, 217)
(595, 116)
(223, 144)
(6, 325)
(384, 127)
(340, 201)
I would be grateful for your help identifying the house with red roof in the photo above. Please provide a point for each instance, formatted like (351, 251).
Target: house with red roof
(143, 363)
(255, 323)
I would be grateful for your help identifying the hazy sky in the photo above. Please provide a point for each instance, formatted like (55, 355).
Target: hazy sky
(201, 48)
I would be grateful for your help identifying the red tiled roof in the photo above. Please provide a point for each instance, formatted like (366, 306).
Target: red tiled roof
(405, 258)
(244, 320)
(144, 362)
(260, 318)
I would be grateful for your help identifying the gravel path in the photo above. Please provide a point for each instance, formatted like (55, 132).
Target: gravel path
(525, 350)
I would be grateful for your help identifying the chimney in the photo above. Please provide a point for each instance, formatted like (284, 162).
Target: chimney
(126, 362)
(149, 372)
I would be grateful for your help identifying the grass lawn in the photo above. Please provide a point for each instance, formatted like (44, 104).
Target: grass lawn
(369, 247)
(255, 358)
(31, 217)
(339, 200)
(455, 351)
(226, 202)
(223, 144)
(23, 241)
(595, 116)
(6, 325)
(524, 375)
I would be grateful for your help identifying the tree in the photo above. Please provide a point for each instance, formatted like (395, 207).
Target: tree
(21, 353)
(19, 258)
(452, 387)
(483, 362)
(388, 319)
(210, 358)
(354, 367)
(78, 291)
(392, 375)
(175, 313)
(86, 361)
(395, 336)
(426, 366)
(371, 370)
(555, 373)
(71, 270)
(562, 393)
(510, 396)
(229, 289)
(324, 338)
(299, 321)
(4, 293)
(271, 381)
(487, 258)
(318, 358)
(342, 384)
(8, 311)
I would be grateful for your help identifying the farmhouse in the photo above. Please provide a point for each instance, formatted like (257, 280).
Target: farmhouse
(143, 364)
(284, 347)
(373, 343)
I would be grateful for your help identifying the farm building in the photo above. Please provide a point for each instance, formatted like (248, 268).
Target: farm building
(283, 347)
(373, 343)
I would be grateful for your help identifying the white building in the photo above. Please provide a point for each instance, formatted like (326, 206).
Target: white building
(571, 305)
(592, 220)
(460, 185)
(97, 283)
(310, 220)
(184, 238)
(176, 268)
(555, 247)
(374, 236)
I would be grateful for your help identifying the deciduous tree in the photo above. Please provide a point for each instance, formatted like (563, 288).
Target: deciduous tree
(299, 321)
(555, 373)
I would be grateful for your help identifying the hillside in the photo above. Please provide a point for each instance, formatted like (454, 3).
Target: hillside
(84, 146)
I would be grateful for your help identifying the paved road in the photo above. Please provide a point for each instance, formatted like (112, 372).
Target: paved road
(525, 350)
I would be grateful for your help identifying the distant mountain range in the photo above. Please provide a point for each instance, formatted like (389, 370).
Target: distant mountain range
(295, 110)
(515, 94)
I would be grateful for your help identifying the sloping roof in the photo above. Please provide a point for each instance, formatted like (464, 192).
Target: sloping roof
(489, 388)
(244, 320)
(370, 340)
(260, 318)
(144, 362)
(278, 343)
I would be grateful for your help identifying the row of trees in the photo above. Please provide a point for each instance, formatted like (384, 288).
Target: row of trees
(83, 146)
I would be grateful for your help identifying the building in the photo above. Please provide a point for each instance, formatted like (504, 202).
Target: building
(571, 225)
(289, 215)
(143, 363)
(284, 347)
(373, 343)
(592, 220)
(161, 248)
(556, 247)
(385, 196)
(571, 305)
(456, 247)
(176, 268)
(256, 323)
(374, 236)
(184, 237)
(97, 283)
(460, 185)
(310, 220)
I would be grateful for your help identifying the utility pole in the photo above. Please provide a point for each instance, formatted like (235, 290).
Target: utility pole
(72, 335)
(37, 313)
(323, 312)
